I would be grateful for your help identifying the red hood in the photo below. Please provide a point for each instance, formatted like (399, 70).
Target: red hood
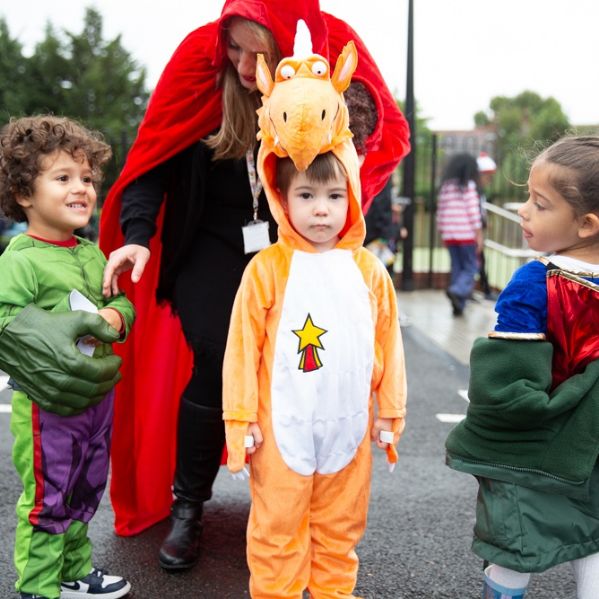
(186, 104)
(280, 17)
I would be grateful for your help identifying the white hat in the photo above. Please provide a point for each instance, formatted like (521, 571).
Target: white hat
(485, 163)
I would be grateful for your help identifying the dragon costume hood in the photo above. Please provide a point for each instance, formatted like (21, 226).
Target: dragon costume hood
(303, 114)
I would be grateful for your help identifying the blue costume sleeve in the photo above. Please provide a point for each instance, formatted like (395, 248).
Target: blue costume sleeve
(522, 305)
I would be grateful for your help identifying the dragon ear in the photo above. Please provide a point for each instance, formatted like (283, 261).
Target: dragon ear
(345, 67)
(264, 80)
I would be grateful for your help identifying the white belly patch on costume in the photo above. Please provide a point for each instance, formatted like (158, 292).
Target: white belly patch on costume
(322, 369)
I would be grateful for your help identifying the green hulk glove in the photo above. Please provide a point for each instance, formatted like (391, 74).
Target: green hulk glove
(38, 350)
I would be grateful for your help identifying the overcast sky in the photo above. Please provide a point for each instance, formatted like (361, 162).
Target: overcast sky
(466, 51)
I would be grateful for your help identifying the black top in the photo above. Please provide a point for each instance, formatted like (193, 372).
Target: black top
(379, 218)
(202, 259)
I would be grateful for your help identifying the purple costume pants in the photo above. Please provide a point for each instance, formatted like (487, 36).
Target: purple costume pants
(63, 464)
(70, 459)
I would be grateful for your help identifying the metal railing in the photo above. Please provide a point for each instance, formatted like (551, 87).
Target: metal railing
(505, 249)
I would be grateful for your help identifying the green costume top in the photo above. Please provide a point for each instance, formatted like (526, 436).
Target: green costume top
(34, 271)
(35, 275)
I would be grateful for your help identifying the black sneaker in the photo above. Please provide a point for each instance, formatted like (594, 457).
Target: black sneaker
(456, 303)
(96, 584)
(30, 596)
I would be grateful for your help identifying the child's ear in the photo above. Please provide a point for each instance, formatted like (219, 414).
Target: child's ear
(589, 225)
(23, 201)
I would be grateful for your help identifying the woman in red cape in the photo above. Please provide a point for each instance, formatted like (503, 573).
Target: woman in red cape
(194, 264)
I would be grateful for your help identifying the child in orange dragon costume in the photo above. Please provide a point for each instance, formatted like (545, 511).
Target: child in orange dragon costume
(314, 336)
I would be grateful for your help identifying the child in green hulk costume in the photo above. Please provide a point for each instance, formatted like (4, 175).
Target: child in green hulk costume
(48, 171)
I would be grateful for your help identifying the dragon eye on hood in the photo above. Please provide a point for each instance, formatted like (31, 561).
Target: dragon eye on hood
(319, 68)
(287, 71)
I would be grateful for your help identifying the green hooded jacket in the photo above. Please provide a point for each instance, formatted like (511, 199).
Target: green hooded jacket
(517, 430)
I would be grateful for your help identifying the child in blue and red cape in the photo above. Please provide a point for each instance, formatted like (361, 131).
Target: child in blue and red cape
(531, 435)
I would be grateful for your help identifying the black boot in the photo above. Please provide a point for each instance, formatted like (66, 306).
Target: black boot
(200, 442)
(181, 548)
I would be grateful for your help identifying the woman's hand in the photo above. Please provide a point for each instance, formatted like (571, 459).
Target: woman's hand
(128, 257)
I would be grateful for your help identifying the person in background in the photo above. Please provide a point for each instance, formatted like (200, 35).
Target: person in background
(531, 434)
(49, 170)
(191, 215)
(486, 170)
(460, 224)
(381, 228)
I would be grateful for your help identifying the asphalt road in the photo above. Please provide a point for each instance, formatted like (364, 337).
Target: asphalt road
(418, 541)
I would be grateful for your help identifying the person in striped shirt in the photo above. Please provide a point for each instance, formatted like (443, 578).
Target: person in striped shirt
(460, 226)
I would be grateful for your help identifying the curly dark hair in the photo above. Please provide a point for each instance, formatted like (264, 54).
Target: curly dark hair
(363, 115)
(25, 141)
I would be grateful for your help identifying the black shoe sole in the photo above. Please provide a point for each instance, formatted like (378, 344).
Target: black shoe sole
(177, 567)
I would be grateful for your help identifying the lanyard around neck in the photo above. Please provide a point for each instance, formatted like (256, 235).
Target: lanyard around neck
(255, 183)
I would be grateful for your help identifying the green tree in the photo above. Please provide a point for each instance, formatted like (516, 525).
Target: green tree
(106, 86)
(524, 124)
(13, 74)
(48, 70)
(524, 121)
(80, 75)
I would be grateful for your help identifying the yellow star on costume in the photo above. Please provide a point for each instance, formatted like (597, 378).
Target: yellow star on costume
(309, 335)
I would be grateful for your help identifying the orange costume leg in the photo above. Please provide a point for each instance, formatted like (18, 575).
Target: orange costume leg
(303, 530)
(337, 522)
(278, 534)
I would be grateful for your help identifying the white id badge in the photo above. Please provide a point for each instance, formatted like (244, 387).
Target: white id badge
(255, 236)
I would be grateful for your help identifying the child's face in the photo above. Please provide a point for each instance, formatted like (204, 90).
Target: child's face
(549, 223)
(63, 197)
(486, 177)
(317, 210)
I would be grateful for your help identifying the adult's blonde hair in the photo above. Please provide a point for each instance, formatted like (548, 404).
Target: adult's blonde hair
(237, 133)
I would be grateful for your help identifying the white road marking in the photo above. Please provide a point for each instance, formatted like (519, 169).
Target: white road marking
(4, 407)
(455, 418)
(463, 393)
(451, 418)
